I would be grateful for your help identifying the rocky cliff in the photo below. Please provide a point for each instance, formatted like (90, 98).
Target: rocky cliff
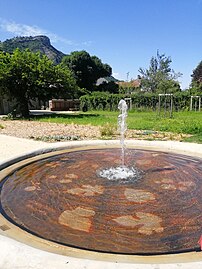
(35, 43)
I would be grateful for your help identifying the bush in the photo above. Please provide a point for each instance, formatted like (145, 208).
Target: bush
(100, 101)
(108, 129)
(140, 101)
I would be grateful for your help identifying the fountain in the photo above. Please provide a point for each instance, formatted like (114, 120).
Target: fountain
(122, 106)
(62, 199)
(121, 172)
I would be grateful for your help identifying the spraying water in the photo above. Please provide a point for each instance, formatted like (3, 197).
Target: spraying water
(122, 127)
(121, 172)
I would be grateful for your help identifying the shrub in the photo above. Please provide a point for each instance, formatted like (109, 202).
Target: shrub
(108, 129)
(140, 101)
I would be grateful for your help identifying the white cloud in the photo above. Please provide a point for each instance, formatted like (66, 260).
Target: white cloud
(117, 75)
(26, 30)
(87, 43)
(20, 29)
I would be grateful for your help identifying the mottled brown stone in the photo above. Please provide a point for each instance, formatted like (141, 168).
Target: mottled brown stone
(170, 184)
(65, 181)
(149, 222)
(86, 190)
(71, 176)
(138, 196)
(30, 188)
(52, 177)
(53, 164)
(78, 219)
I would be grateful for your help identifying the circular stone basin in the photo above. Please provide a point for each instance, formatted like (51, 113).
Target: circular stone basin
(62, 199)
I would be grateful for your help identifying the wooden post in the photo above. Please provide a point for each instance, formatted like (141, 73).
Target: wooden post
(159, 104)
(191, 103)
(171, 106)
(165, 105)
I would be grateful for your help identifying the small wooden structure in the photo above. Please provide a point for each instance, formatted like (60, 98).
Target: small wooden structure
(168, 103)
(64, 105)
(128, 102)
(195, 103)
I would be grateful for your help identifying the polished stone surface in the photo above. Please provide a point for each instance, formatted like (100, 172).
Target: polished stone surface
(63, 199)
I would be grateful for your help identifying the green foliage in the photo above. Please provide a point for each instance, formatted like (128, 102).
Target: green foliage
(194, 138)
(25, 75)
(159, 77)
(108, 129)
(100, 101)
(110, 87)
(140, 101)
(12, 115)
(96, 118)
(197, 74)
(87, 69)
(195, 89)
(168, 86)
(196, 85)
(182, 123)
(181, 101)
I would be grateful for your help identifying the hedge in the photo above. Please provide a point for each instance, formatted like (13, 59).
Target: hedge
(140, 101)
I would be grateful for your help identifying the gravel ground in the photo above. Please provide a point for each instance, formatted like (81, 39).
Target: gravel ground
(38, 130)
(51, 132)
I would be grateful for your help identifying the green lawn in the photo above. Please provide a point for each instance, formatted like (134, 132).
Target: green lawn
(182, 122)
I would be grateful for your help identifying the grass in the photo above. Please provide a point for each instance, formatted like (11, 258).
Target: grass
(93, 118)
(182, 122)
(194, 139)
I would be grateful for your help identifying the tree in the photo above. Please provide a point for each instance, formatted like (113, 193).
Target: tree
(25, 75)
(168, 86)
(159, 77)
(87, 69)
(197, 73)
(110, 87)
(196, 84)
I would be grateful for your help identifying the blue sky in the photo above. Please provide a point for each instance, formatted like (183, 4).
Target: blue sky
(124, 34)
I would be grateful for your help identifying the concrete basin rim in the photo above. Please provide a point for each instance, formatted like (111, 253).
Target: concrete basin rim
(184, 148)
(18, 234)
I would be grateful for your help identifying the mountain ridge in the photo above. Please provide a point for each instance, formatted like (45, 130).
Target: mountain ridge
(39, 43)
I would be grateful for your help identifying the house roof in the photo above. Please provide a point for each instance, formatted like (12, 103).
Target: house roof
(133, 83)
(106, 80)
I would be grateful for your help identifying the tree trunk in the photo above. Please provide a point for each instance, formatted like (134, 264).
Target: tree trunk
(24, 108)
